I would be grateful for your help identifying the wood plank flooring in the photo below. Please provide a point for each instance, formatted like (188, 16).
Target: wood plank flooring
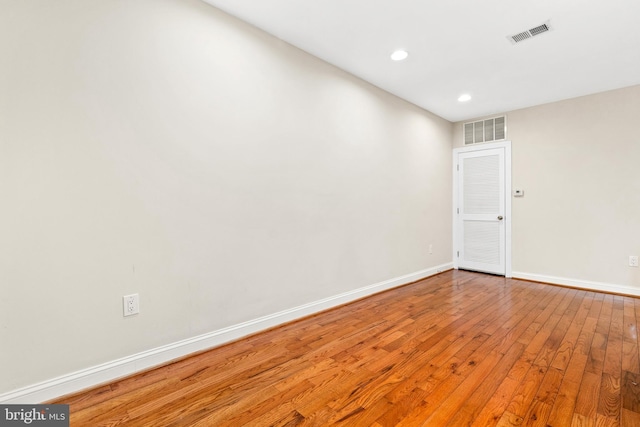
(458, 349)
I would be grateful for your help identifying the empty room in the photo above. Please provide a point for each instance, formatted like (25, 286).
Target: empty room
(304, 212)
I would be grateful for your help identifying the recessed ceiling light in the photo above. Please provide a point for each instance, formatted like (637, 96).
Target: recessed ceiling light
(399, 55)
(464, 98)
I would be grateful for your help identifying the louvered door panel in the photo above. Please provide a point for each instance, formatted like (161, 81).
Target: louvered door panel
(481, 181)
(482, 242)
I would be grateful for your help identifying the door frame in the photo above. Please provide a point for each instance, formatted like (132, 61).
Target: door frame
(506, 145)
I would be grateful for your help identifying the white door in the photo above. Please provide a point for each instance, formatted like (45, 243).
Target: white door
(481, 210)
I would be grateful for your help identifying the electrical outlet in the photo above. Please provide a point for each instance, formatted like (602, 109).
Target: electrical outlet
(633, 260)
(131, 304)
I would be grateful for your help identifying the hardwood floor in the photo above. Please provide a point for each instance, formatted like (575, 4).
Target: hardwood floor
(458, 349)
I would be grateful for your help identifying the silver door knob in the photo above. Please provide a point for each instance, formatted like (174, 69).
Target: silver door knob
(500, 217)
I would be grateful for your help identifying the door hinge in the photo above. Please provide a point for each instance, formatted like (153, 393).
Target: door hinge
(458, 209)
(458, 254)
(457, 167)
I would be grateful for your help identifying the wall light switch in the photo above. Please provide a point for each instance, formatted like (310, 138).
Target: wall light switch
(633, 261)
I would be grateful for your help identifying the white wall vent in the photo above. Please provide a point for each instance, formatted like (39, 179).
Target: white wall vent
(532, 32)
(487, 130)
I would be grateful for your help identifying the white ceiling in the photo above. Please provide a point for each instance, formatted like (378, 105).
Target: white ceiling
(460, 46)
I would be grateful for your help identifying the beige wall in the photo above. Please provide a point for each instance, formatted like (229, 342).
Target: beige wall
(166, 149)
(578, 162)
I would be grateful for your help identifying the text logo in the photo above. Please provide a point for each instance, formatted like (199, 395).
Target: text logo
(34, 415)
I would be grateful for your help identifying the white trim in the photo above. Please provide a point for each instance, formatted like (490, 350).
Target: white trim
(578, 283)
(85, 378)
(507, 158)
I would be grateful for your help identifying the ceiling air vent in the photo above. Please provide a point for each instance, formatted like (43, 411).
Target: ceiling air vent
(532, 32)
(493, 129)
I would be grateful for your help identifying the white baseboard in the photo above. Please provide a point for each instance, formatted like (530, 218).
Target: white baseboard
(577, 283)
(79, 380)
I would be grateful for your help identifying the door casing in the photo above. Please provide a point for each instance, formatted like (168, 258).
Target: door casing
(506, 145)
